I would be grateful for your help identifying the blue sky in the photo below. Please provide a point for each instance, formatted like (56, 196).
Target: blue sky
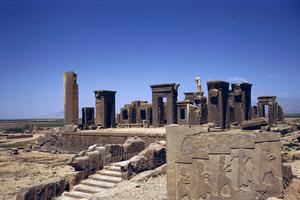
(128, 45)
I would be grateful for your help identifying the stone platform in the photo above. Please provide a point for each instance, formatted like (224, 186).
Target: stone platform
(73, 142)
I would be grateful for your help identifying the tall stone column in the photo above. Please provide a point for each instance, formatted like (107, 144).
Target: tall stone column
(70, 98)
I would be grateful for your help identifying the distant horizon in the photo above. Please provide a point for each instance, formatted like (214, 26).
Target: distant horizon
(128, 45)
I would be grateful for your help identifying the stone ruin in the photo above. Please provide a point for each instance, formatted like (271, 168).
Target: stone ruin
(88, 117)
(136, 114)
(164, 112)
(105, 108)
(275, 111)
(96, 157)
(71, 98)
(222, 108)
(219, 166)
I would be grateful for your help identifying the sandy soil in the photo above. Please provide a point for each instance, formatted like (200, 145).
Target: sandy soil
(27, 168)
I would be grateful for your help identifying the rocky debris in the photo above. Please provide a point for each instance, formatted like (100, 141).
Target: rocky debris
(14, 151)
(43, 191)
(290, 142)
(295, 155)
(253, 124)
(153, 156)
(70, 128)
(287, 174)
(286, 128)
(96, 157)
(48, 142)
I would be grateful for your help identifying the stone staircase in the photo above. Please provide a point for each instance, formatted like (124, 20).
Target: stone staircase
(104, 179)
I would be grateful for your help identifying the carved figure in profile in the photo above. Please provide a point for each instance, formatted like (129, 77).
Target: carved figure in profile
(267, 175)
(203, 188)
(245, 174)
(223, 179)
(182, 188)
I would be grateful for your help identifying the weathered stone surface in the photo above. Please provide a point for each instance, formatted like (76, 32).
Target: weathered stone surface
(43, 191)
(105, 108)
(94, 159)
(70, 128)
(70, 98)
(223, 165)
(79, 163)
(287, 174)
(253, 124)
(133, 146)
(153, 156)
(160, 116)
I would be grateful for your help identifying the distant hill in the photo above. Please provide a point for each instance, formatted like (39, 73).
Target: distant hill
(54, 115)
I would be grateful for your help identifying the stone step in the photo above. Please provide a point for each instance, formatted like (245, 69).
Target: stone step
(64, 198)
(122, 163)
(110, 179)
(113, 168)
(98, 184)
(88, 189)
(110, 173)
(76, 195)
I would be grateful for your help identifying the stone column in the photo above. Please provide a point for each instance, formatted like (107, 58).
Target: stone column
(70, 98)
(155, 111)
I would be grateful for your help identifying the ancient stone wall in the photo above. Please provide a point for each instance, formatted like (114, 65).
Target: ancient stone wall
(79, 141)
(97, 156)
(224, 165)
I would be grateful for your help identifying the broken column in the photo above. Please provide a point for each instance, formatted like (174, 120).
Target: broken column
(217, 103)
(223, 165)
(168, 91)
(105, 108)
(70, 98)
(88, 116)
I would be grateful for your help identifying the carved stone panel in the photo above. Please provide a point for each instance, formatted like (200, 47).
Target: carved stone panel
(221, 166)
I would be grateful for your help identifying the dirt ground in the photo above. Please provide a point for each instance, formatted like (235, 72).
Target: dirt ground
(27, 168)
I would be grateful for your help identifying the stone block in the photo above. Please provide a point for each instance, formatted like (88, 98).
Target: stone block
(226, 165)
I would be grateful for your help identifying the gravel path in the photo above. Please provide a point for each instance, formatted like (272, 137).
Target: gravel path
(152, 189)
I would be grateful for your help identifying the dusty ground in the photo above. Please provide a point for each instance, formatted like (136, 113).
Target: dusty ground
(28, 168)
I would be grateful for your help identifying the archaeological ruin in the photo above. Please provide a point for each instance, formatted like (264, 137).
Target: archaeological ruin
(71, 98)
(217, 146)
(224, 106)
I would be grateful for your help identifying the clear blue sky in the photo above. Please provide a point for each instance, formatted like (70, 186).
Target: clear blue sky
(128, 45)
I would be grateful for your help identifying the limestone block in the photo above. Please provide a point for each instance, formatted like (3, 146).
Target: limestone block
(133, 146)
(116, 151)
(153, 156)
(80, 163)
(94, 162)
(224, 165)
